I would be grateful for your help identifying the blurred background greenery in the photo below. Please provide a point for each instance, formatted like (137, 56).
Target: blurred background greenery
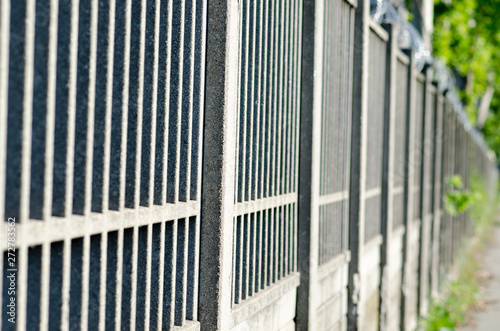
(467, 39)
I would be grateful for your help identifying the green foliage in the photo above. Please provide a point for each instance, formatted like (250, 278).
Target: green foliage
(457, 199)
(463, 293)
(467, 39)
(482, 207)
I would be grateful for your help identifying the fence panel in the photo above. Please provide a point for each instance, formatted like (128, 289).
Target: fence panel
(106, 99)
(400, 141)
(266, 180)
(374, 134)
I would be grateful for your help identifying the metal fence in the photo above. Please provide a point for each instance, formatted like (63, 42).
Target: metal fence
(265, 230)
(102, 112)
(195, 164)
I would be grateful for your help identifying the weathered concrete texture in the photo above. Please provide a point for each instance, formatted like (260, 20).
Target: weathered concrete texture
(410, 284)
(277, 316)
(218, 166)
(395, 263)
(425, 265)
(489, 319)
(370, 290)
(331, 307)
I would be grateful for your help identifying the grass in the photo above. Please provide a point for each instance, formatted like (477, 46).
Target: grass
(463, 294)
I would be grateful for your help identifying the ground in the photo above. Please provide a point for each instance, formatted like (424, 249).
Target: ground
(488, 319)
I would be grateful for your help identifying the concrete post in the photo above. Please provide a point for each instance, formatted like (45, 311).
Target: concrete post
(218, 165)
(358, 162)
(388, 170)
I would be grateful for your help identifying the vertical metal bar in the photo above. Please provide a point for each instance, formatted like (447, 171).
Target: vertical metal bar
(161, 273)
(321, 241)
(268, 90)
(90, 110)
(259, 250)
(253, 273)
(296, 91)
(295, 238)
(259, 104)
(196, 266)
(133, 281)
(298, 42)
(29, 40)
(240, 221)
(201, 112)
(107, 125)
(85, 283)
(246, 250)
(281, 255)
(125, 106)
(234, 280)
(185, 266)
(22, 282)
(325, 98)
(279, 100)
(102, 281)
(154, 108)
(50, 120)
(179, 102)
(290, 241)
(274, 96)
(242, 162)
(147, 299)
(334, 107)
(44, 287)
(286, 99)
(338, 175)
(285, 250)
(140, 105)
(256, 102)
(264, 107)
(119, 283)
(272, 246)
(166, 106)
(292, 73)
(173, 274)
(344, 122)
(292, 90)
(71, 108)
(239, 114)
(66, 284)
(191, 99)
(265, 242)
(329, 105)
(253, 145)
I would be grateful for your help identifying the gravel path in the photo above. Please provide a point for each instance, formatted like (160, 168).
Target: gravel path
(489, 319)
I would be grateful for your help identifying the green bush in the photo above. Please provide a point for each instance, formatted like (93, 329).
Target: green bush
(463, 293)
(467, 39)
